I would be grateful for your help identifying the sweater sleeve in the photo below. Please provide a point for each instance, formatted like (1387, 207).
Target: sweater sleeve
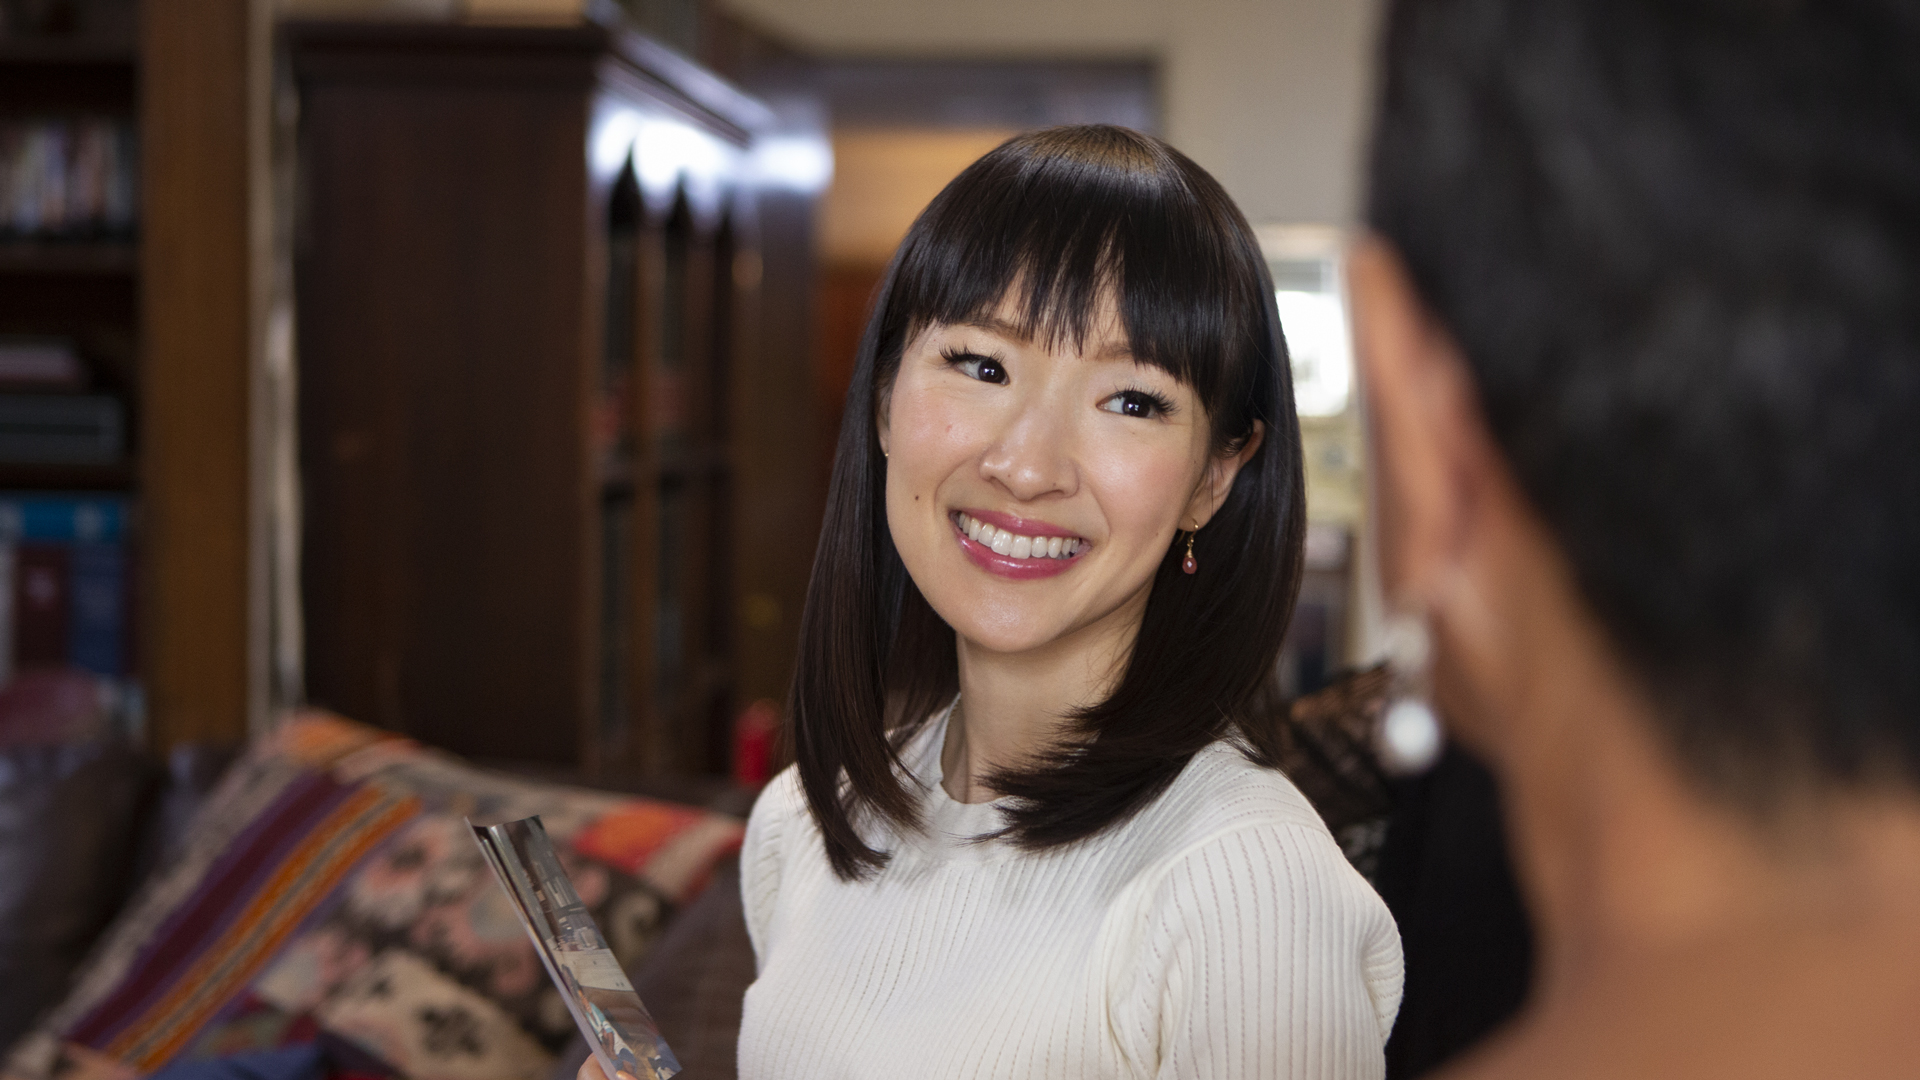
(760, 857)
(1264, 954)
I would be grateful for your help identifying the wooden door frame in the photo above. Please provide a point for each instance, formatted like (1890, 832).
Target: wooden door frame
(205, 93)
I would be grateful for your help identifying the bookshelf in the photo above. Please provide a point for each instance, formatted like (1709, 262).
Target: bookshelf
(65, 272)
(554, 475)
(169, 312)
(69, 283)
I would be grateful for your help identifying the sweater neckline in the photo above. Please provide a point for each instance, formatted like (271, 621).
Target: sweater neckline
(950, 827)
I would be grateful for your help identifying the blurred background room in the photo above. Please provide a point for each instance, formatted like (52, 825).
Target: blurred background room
(470, 369)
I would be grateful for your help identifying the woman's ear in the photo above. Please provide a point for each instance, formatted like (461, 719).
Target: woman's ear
(1217, 480)
(882, 419)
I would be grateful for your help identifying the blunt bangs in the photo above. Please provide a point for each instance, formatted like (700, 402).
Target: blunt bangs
(1055, 222)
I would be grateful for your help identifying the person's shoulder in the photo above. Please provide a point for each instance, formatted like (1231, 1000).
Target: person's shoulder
(1245, 812)
(782, 816)
(780, 820)
(779, 816)
(779, 806)
(1253, 889)
(1228, 816)
(1223, 791)
(1234, 856)
(1221, 801)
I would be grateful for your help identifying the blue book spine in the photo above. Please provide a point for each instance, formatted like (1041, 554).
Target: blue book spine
(66, 519)
(97, 624)
(89, 531)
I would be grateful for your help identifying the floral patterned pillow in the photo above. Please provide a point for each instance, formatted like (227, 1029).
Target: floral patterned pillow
(330, 884)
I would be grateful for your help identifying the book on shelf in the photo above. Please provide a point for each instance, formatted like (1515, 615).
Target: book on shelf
(68, 178)
(42, 596)
(61, 429)
(97, 608)
(36, 362)
(45, 416)
(68, 598)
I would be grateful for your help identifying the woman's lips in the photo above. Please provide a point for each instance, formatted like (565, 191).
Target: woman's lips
(1039, 551)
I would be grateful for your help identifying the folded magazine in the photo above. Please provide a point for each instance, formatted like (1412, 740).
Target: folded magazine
(611, 1016)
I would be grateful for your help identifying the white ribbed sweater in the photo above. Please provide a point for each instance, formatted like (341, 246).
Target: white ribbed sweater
(1219, 933)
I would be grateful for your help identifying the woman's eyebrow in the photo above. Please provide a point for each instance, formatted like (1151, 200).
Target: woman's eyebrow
(1113, 348)
(994, 324)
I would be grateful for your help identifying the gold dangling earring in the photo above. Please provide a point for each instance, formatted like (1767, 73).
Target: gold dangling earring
(1188, 564)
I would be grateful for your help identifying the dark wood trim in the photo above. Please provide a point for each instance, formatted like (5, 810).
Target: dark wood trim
(65, 78)
(21, 477)
(436, 53)
(58, 257)
(657, 63)
(66, 51)
(197, 83)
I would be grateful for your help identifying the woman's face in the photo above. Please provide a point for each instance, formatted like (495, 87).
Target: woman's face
(1032, 492)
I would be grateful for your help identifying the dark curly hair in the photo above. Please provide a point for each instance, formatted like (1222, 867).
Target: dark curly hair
(1679, 244)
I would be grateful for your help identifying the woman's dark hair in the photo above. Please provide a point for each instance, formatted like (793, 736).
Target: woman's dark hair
(1678, 242)
(1059, 219)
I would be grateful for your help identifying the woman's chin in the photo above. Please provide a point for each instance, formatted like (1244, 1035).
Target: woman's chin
(1014, 618)
(1012, 636)
(1008, 646)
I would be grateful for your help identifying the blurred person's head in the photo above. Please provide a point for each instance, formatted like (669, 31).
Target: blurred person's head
(1675, 247)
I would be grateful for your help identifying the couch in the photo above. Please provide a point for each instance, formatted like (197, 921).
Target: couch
(323, 902)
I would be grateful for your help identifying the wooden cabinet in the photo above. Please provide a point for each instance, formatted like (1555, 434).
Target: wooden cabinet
(552, 467)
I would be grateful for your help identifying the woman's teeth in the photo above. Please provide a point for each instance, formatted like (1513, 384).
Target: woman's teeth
(1013, 545)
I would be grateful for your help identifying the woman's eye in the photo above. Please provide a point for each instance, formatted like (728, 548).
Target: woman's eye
(1136, 403)
(975, 366)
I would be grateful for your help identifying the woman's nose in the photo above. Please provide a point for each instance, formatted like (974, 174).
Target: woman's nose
(1032, 458)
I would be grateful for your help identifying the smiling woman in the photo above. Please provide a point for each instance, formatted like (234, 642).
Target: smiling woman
(1033, 462)
(1033, 829)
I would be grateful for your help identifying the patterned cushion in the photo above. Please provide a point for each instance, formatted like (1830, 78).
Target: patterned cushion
(330, 884)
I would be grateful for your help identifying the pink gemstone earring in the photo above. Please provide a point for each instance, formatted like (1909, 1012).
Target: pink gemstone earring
(1187, 563)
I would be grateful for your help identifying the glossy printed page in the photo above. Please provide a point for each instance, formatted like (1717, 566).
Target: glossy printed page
(611, 1016)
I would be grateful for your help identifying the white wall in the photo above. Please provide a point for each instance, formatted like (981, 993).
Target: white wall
(1269, 95)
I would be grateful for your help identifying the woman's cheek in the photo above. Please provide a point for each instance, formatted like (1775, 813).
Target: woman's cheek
(1146, 486)
(928, 423)
(928, 443)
